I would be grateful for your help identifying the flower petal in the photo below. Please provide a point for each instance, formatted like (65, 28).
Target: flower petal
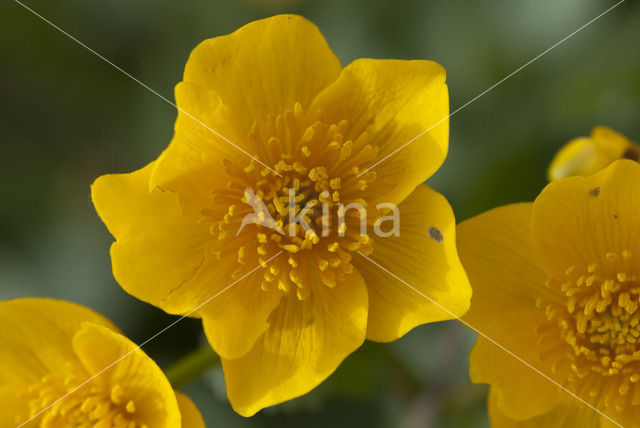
(191, 417)
(265, 66)
(522, 391)
(244, 307)
(626, 418)
(393, 101)
(157, 247)
(588, 155)
(138, 376)
(424, 255)
(35, 337)
(496, 249)
(35, 334)
(206, 136)
(13, 406)
(567, 413)
(579, 221)
(305, 343)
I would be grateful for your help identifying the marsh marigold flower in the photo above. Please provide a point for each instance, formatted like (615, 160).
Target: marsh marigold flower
(557, 282)
(205, 214)
(588, 155)
(51, 347)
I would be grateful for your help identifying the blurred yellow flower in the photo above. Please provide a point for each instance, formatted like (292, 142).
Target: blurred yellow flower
(51, 347)
(204, 214)
(557, 282)
(588, 155)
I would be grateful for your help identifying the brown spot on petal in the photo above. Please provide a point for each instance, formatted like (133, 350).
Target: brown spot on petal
(631, 154)
(435, 234)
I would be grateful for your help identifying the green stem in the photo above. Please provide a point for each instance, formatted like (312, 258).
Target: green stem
(191, 366)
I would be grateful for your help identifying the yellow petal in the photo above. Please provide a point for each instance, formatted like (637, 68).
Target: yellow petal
(394, 101)
(265, 66)
(191, 417)
(627, 418)
(228, 297)
(35, 335)
(496, 249)
(236, 318)
(579, 221)
(14, 410)
(522, 391)
(35, 338)
(140, 379)
(206, 134)
(568, 413)
(157, 247)
(305, 343)
(588, 155)
(424, 256)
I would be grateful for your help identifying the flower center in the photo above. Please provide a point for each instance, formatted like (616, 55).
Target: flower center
(315, 210)
(87, 406)
(600, 321)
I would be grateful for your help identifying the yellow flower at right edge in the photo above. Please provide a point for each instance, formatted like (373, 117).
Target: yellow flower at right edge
(588, 155)
(557, 283)
(50, 348)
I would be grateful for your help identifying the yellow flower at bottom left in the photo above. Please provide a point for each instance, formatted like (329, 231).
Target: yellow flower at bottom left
(50, 348)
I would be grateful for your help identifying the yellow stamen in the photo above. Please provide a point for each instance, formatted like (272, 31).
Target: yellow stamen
(297, 211)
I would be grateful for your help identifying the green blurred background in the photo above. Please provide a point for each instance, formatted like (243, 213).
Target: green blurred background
(67, 116)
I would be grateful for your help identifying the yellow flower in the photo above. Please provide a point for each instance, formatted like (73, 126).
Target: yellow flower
(557, 282)
(588, 155)
(185, 230)
(49, 350)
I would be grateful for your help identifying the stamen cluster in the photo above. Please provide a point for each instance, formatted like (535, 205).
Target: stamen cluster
(600, 321)
(319, 174)
(86, 406)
